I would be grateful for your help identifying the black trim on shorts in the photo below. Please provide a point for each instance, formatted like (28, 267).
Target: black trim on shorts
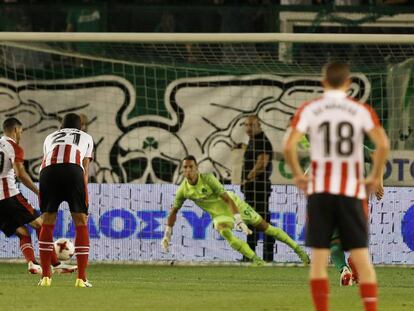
(63, 182)
(15, 212)
(326, 212)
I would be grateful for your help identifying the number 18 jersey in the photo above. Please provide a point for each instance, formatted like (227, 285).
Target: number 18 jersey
(67, 145)
(336, 125)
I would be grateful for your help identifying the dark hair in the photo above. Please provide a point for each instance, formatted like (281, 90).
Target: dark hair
(10, 124)
(336, 74)
(190, 158)
(71, 120)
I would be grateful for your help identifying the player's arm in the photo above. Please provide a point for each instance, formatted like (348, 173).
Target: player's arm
(85, 164)
(87, 159)
(22, 175)
(217, 187)
(291, 140)
(238, 221)
(230, 203)
(379, 157)
(172, 218)
(379, 193)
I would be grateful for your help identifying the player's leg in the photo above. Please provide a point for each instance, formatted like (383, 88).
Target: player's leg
(250, 216)
(81, 247)
(355, 275)
(251, 239)
(224, 227)
(77, 198)
(50, 198)
(17, 213)
(57, 266)
(319, 229)
(367, 278)
(46, 248)
(27, 250)
(262, 208)
(338, 259)
(353, 229)
(319, 278)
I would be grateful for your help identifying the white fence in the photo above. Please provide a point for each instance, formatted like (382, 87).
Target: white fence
(126, 224)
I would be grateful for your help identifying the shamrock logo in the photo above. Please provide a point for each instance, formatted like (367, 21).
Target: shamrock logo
(150, 143)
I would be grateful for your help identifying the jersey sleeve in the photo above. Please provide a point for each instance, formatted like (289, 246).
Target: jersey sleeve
(18, 153)
(214, 184)
(179, 198)
(300, 122)
(371, 119)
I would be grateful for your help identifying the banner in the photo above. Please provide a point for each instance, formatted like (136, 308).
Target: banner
(126, 224)
(144, 119)
(398, 171)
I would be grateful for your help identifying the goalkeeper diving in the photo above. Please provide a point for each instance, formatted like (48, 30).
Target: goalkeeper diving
(227, 211)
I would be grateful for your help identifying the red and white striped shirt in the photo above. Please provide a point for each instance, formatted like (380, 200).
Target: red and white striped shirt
(336, 125)
(67, 145)
(10, 152)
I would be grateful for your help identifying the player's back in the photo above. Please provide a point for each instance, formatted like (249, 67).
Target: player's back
(9, 153)
(67, 145)
(336, 126)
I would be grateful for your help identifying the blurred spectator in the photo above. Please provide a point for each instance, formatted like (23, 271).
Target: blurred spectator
(296, 2)
(347, 2)
(168, 23)
(396, 2)
(85, 19)
(88, 19)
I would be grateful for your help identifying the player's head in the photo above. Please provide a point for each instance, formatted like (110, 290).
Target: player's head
(71, 121)
(252, 125)
(190, 167)
(13, 128)
(336, 76)
(84, 122)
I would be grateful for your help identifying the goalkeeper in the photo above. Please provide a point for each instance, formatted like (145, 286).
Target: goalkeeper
(226, 209)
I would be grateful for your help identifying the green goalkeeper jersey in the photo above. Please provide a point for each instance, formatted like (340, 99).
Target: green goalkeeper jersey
(206, 194)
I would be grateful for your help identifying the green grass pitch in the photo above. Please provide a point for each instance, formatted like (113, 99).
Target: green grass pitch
(167, 288)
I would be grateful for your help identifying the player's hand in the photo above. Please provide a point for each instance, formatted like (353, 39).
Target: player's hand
(301, 182)
(240, 225)
(372, 184)
(380, 192)
(165, 242)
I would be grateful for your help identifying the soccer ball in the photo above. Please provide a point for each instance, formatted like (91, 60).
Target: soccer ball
(64, 249)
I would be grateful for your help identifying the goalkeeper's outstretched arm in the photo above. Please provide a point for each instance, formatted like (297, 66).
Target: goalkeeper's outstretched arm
(172, 218)
(239, 224)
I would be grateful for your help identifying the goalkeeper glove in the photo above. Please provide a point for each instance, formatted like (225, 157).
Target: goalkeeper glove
(165, 242)
(240, 225)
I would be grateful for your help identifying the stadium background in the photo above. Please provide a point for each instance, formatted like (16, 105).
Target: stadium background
(151, 104)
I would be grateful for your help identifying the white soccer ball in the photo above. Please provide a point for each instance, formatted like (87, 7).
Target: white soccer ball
(64, 249)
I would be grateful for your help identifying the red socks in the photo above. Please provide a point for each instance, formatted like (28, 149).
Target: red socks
(320, 292)
(46, 249)
(369, 294)
(82, 250)
(55, 261)
(27, 248)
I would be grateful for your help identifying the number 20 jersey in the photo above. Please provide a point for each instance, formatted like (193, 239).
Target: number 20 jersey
(336, 125)
(67, 145)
